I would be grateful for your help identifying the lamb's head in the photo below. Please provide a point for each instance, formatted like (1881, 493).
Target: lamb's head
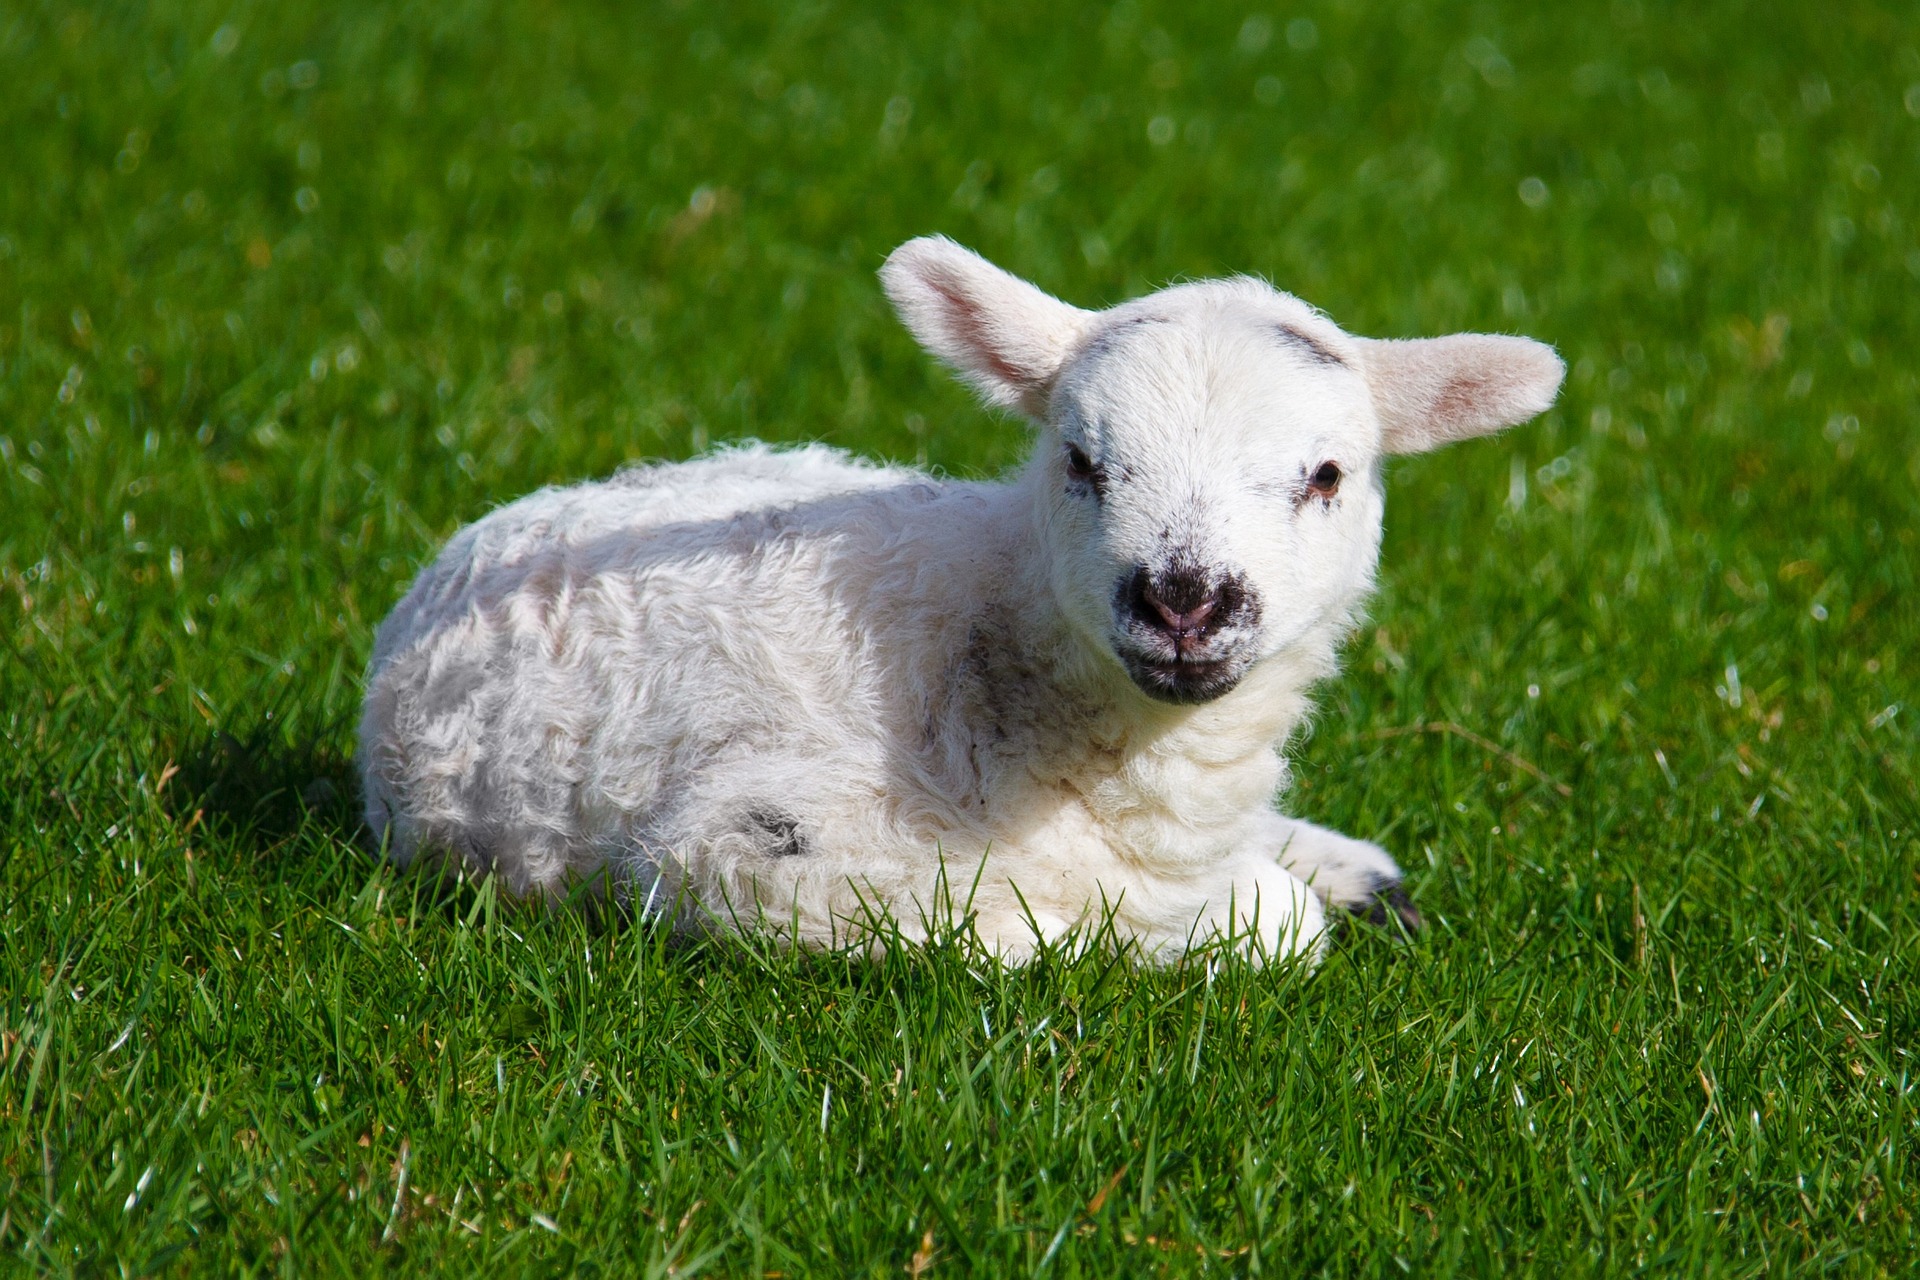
(1208, 461)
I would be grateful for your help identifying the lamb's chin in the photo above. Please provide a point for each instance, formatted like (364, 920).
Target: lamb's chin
(1184, 682)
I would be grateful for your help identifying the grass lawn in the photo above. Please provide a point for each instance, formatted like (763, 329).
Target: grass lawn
(288, 293)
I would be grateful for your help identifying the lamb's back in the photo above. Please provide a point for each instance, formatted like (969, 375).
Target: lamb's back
(573, 662)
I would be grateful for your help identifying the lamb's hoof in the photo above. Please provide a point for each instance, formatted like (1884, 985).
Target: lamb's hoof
(1391, 908)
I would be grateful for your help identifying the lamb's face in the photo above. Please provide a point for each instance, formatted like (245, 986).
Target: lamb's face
(1208, 462)
(1210, 481)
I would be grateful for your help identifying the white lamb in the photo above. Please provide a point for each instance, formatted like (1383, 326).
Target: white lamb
(788, 689)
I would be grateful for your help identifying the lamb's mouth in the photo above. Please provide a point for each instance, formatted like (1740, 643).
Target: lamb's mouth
(1186, 679)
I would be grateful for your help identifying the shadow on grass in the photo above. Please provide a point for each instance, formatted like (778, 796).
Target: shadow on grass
(267, 789)
(291, 800)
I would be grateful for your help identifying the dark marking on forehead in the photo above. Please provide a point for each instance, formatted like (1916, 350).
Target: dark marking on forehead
(1108, 338)
(1307, 346)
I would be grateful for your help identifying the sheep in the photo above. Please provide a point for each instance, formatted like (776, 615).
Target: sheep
(792, 691)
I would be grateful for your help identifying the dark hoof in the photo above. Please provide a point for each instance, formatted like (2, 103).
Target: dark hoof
(1393, 909)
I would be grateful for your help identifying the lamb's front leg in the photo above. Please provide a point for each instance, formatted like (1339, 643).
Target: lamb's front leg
(1354, 875)
(1265, 909)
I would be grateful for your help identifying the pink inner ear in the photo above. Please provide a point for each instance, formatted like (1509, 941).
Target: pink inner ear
(1431, 391)
(1463, 400)
(963, 321)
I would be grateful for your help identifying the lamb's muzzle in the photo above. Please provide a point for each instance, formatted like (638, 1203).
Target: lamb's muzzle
(1184, 630)
(788, 690)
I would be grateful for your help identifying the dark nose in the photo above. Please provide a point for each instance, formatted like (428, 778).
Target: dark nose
(1180, 602)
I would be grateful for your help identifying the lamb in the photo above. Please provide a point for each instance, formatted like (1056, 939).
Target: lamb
(789, 690)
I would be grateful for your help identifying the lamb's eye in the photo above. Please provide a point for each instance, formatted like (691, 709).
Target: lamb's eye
(1079, 465)
(1325, 482)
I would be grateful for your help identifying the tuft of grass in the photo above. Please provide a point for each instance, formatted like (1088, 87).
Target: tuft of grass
(287, 296)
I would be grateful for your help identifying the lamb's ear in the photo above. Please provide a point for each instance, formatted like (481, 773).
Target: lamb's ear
(1003, 335)
(1431, 391)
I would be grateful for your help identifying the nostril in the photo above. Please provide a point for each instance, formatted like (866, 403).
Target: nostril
(1183, 620)
(1181, 601)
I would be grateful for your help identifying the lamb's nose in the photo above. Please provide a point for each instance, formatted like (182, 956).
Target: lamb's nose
(1179, 602)
(1182, 620)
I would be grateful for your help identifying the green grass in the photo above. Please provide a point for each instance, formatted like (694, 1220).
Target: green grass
(285, 299)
